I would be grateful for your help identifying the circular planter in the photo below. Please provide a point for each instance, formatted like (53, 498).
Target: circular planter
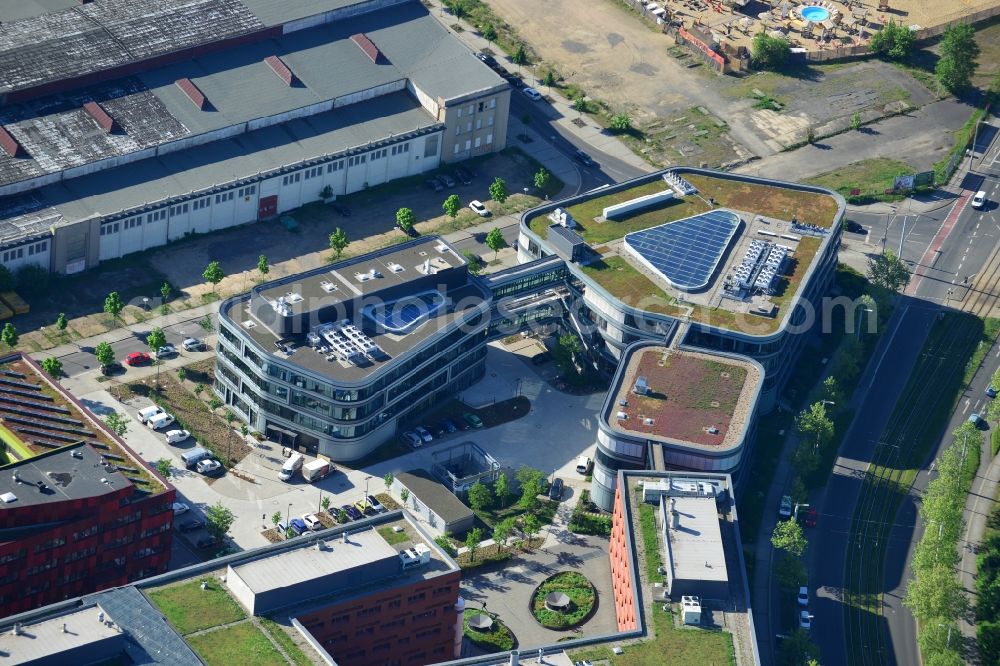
(563, 601)
(488, 633)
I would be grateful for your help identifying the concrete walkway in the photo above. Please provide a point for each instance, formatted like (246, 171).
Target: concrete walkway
(979, 504)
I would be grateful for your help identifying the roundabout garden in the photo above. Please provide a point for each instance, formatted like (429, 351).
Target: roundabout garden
(564, 600)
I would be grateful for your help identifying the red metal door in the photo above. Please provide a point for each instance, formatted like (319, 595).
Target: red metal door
(267, 207)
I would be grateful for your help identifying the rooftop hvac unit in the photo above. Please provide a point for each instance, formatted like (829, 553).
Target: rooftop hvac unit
(712, 430)
(648, 421)
(621, 416)
(641, 386)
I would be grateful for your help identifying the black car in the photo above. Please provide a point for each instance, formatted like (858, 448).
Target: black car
(112, 368)
(352, 512)
(855, 227)
(556, 490)
(343, 211)
(465, 175)
(542, 358)
(205, 542)
(515, 82)
(434, 184)
(488, 59)
(584, 159)
(412, 231)
(191, 525)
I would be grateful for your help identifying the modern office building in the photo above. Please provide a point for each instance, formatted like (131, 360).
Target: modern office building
(676, 409)
(79, 511)
(332, 360)
(343, 596)
(127, 125)
(699, 547)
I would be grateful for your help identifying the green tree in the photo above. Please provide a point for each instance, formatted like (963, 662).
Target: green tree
(993, 411)
(472, 539)
(479, 497)
(387, 480)
(452, 205)
(52, 366)
(549, 79)
(957, 63)
(326, 193)
(790, 573)
(213, 274)
(218, 520)
(325, 503)
(156, 339)
(9, 335)
(502, 532)
(262, 266)
(856, 120)
(404, 495)
(489, 33)
(166, 291)
(338, 241)
(542, 178)
(988, 640)
(813, 423)
(502, 489)
(566, 350)
(935, 592)
(831, 390)
(580, 104)
(788, 536)
(117, 422)
(163, 466)
(342, 516)
(530, 526)
(894, 41)
(113, 305)
(796, 649)
(769, 52)
(498, 190)
(405, 219)
(495, 241)
(105, 354)
(520, 56)
(888, 271)
(61, 322)
(276, 518)
(621, 122)
(475, 265)
(530, 490)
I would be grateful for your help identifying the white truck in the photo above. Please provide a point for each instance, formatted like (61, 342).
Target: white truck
(316, 470)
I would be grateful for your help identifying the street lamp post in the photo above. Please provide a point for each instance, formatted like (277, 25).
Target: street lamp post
(287, 512)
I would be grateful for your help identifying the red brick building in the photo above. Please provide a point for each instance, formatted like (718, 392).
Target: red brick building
(79, 511)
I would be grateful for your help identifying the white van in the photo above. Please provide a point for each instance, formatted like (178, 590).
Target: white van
(291, 466)
(160, 421)
(147, 413)
(979, 200)
(194, 456)
(583, 464)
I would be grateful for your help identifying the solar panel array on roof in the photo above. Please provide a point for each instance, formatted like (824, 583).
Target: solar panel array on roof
(686, 252)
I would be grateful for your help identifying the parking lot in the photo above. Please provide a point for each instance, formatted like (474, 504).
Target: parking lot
(558, 428)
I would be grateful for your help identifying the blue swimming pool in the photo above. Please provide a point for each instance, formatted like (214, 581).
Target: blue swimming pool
(815, 14)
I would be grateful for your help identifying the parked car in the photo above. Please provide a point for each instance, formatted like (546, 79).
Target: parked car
(138, 358)
(810, 518)
(424, 434)
(166, 351)
(515, 82)
(180, 508)
(805, 620)
(855, 227)
(449, 425)
(312, 522)
(206, 541)
(583, 465)
(541, 358)
(111, 368)
(282, 529)
(298, 526)
(375, 504)
(175, 436)
(434, 184)
(191, 525)
(209, 467)
(487, 58)
(413, 439)
(803, 597)
(194, 344)
(446, 179)
(532, 94)
(979, 201)
(479, 208)
(463, 176)
(352, 512)
(991, 392)
(472, 420)
(556, 490)
(975, 420)
(362, 506)
(160, 421)
(411, 231)
(584, 159)
(147, 413)
(785, 510)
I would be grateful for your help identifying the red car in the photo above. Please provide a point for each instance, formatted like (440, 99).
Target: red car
(810, 518)
(138, 358)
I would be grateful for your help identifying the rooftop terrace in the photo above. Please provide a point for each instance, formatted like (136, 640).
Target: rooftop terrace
(688, 394)
(766, 213)
(37, 418)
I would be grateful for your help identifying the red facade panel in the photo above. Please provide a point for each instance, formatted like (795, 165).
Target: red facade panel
(281, 69)
(95, 111)
(193, 93)
(367, 46)
(9, 144)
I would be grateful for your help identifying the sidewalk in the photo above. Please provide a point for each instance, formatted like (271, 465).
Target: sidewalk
(979, 503)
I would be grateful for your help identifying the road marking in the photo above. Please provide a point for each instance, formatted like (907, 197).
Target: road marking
(942, 234)
(966, 408)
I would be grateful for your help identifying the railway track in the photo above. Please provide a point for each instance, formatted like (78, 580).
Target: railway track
(982, 297)
(885, 485)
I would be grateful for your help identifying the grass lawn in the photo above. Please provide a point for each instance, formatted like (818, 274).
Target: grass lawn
(190, 609)
(650, 541)
(872, 176)
(631, 287)
(285, 641)
(596, 233)
(777, 202)
(393, 537)
(240, 644)
(670, 646)
(574, 585)
(497, 639)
